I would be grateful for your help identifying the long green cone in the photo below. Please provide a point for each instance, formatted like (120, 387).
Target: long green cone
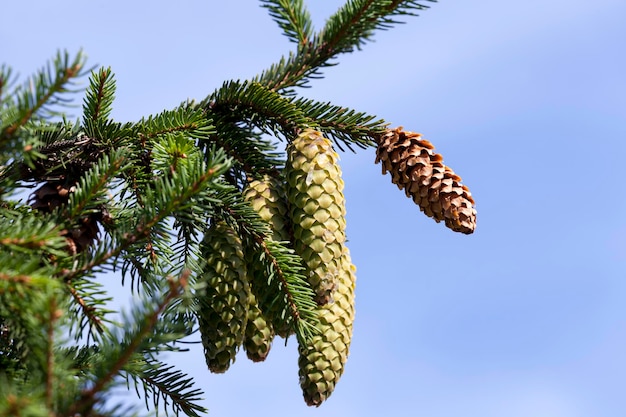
(223, 307)
(321, 362)
(317, 208)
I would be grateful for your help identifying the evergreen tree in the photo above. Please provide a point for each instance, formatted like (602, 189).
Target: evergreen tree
(225, 217)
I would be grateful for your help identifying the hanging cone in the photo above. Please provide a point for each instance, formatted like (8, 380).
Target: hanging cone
(259, 334)
(318, 210)
(267, 197)
(434, 187)
(54, 194)
(223, 307)
(321, 362)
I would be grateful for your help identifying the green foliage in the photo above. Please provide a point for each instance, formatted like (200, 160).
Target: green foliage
(136, 199)
(348, 29)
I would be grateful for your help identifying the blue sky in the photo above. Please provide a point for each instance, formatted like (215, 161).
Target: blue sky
(525, 100)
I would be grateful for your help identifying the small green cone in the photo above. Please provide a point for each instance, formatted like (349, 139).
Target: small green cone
(223, 306)
(317, 209)
(267, 197)
(259, 334)
(321, 362)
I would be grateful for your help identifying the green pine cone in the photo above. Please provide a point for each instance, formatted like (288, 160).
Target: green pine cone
(259, 334)
(321, 362)
(317, 208)
(267, 196)
(223, 306)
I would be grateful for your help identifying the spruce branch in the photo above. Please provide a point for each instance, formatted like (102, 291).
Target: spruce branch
(285, 279)
(167, 195)
(42, 92)
(98, 101)
(6, 79)
(22, 234)
(259, 105)
(249, 150)
(348, 29)
(191, 121)
(51, 322)
(166, 383)
(87, 308)
(346, 126)
(92, 187)
(133, 341)
(142, 195)
(292, 17)
(355, 22)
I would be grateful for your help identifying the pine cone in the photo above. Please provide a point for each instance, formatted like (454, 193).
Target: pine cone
(267, 197)
(223, 307)
(259, 334)
(433, 186)
(54, 194)
(321, 362)
(317, 209)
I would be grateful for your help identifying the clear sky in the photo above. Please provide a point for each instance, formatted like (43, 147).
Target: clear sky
(525, 100)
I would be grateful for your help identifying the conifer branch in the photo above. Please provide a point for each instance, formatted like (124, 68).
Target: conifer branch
(346, 126)
(37, 96)
(6, 78)
(54, 315)
(93, 185)
(98, 101)
(258, 104)
(191, 121)
(87, 308)
(169, 384)
(169, 194)
(142, 195)
(89, 396)
(348, 29)
(249, 151)
(355, 22)
(20, 233)
(285, 276)
(292, 17)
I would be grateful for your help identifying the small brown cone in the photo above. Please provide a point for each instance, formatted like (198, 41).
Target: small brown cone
(54, 194)
(420, 172)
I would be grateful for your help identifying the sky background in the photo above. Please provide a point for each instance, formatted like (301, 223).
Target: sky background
(525, 100)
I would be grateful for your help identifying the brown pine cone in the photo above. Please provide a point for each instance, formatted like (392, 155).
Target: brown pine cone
(420, 172)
